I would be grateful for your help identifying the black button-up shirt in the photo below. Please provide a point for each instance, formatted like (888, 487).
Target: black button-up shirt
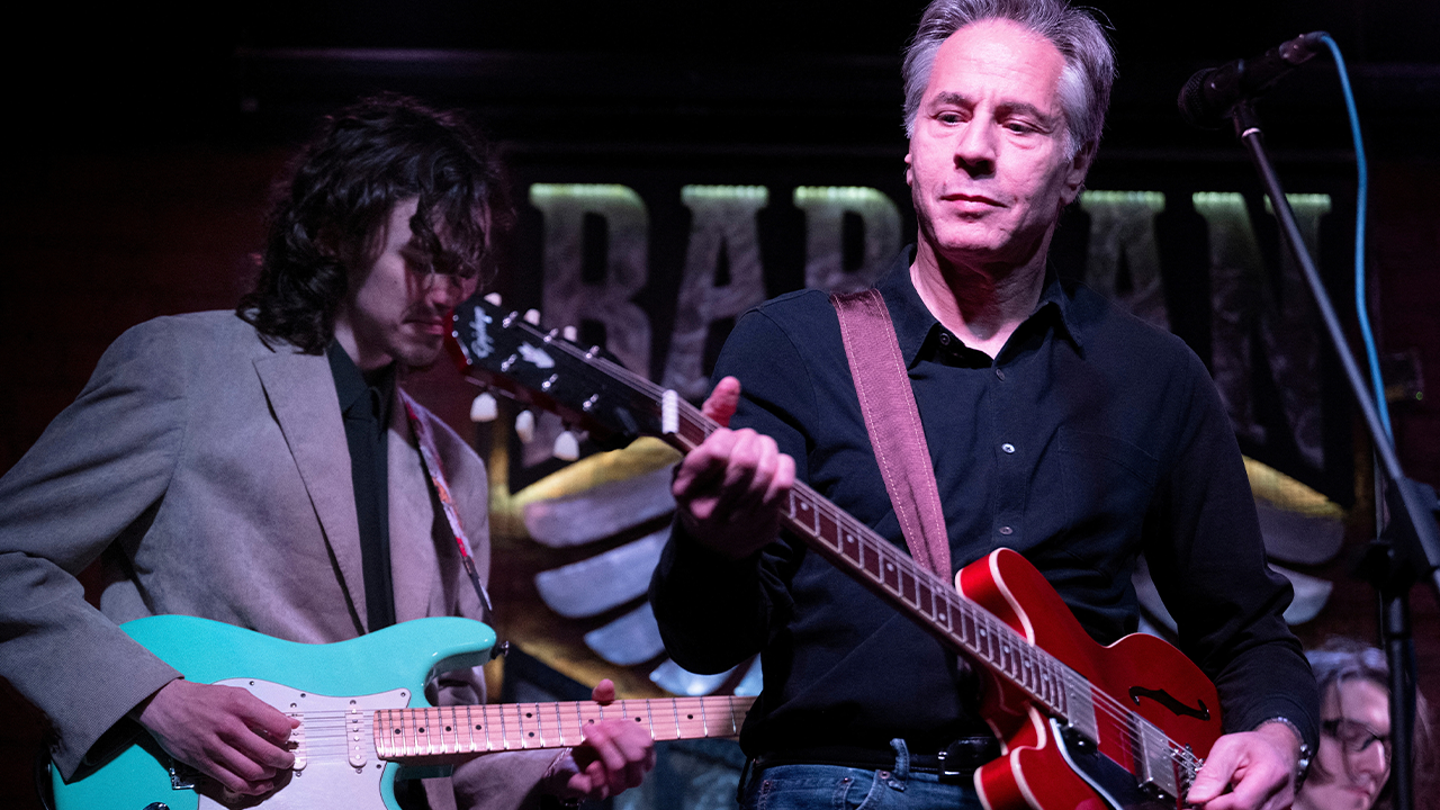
(1090, 439)
(366, 412)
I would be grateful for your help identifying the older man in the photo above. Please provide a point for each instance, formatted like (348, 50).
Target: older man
(1056, 425)
(262, 468)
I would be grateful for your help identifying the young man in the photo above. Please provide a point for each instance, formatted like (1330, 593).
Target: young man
(1056, 425)
(262, 468)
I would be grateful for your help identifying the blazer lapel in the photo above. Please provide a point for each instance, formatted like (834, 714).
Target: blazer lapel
(414, 518)
(302, 395)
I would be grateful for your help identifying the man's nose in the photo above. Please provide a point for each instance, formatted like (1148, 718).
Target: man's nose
(446, 291)
(975, 146)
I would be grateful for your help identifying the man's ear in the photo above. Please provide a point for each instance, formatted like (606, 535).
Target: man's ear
(909, 172)
(1075, 172)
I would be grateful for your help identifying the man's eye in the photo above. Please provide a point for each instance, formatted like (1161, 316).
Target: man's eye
(1019, 127)
(949, 118)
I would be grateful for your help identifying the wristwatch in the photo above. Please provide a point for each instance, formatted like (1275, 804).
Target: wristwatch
(1302, 764)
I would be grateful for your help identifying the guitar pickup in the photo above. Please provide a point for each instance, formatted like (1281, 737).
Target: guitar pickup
(296, 703)
(356, 735)
(296, 742)
(1158, 763)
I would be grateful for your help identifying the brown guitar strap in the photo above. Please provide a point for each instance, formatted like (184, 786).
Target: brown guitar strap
(893, 422)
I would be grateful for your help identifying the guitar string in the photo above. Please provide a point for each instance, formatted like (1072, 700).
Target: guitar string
(324, 728)
(1107, 707)
(1130, 727)
(1124, 723)
(1122, 719)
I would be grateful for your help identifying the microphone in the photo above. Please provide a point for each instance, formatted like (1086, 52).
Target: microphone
(1211, 94)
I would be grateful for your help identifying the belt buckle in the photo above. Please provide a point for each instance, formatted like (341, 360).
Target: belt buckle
(959, 759)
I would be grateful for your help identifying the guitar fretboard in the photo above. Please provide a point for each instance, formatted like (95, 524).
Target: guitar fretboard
(850, 544)
(447, 731)
(881, 565)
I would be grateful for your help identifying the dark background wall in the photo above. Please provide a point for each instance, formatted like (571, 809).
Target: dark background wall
(142, 146)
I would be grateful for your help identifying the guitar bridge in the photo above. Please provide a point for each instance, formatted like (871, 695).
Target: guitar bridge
(1188, 769)
(182, 776)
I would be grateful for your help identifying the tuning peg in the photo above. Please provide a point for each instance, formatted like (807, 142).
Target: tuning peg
(493, 298)
(532, 317)
(484, 408)
(570, 333)
(567, 446)
(525, 426)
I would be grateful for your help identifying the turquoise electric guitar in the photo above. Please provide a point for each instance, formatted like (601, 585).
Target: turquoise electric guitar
(363, 714)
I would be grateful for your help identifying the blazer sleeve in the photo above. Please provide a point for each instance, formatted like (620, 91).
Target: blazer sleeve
(95, 477)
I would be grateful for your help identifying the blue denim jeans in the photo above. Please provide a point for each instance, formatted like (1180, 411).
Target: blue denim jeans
(833, 787)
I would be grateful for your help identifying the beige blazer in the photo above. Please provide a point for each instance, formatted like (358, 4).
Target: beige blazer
(209, 474)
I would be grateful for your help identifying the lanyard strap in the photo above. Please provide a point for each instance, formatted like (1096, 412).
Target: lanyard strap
(431, 461)
(893, 422)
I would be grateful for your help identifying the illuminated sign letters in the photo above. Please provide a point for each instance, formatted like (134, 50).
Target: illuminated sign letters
(596, 258)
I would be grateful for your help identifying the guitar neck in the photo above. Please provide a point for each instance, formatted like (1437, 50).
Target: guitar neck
(927, 598)
(587, 389)
(414, 736)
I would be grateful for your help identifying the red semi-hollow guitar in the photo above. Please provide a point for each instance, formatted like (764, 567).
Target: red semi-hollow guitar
(1080, 725)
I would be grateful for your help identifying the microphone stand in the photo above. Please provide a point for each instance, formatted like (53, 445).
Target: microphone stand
(1409, 548)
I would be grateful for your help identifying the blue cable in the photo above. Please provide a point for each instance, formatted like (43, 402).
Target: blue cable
(1362, 193)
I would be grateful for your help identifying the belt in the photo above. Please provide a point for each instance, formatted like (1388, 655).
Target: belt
(958, 759)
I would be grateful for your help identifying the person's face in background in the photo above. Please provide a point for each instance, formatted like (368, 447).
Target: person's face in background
(1353, 762)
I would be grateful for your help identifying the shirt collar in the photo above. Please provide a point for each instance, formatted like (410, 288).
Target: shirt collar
(350, 384)
(914, 322)
(1058, 295)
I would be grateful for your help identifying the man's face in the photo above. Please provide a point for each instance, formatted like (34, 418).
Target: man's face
(395, 309)
(987, 163)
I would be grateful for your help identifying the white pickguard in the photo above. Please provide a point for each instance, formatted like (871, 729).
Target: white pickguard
(335, 762)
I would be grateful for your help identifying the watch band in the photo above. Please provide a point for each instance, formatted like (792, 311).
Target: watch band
(1302, 764)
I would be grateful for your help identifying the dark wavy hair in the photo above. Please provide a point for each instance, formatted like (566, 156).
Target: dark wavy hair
(339, 191)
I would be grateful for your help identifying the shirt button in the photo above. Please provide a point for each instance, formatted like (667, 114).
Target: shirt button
(1006, 530)
(1000, 372)
(944, 339)
(1008, 447)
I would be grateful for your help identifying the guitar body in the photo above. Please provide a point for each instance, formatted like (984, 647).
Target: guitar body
(1041, 769)
(385, 669)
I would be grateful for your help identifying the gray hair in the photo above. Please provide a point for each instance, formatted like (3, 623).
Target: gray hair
(1340, 660)
(1089, 60)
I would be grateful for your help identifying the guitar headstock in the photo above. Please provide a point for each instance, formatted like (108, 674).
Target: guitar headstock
(505, 352)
